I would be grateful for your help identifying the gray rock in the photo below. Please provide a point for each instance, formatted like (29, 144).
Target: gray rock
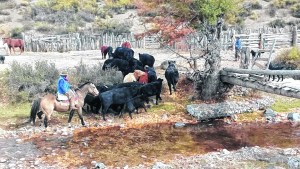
(160, 165)
(225, 109)
(100, 166)
(269, 113)
(3, 160)
(179, 124)
(294, 162)
(294, 116)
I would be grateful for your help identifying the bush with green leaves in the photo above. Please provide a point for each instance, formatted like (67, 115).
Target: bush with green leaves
(284, 3)
(112, 26)
(26, 81)
(289, 57)
(296, 10)
(43, 27)
(94, 73)
(25, 78)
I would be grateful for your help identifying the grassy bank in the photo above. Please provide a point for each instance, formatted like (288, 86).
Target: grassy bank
(12, 115)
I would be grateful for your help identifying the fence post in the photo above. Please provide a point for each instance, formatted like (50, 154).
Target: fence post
(294, 36)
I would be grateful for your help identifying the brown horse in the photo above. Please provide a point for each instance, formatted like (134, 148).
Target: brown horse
(14, 43)
(47, 104)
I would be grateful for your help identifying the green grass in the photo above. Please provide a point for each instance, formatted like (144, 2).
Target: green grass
(13, 113)
(285, 105)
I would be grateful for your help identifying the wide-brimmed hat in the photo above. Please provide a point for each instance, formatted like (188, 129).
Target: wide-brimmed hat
(64, 73)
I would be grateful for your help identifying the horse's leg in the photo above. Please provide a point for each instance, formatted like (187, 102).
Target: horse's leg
(70, 117)
(14, 50)
(46, 121)
(10, 50)
(79, 112)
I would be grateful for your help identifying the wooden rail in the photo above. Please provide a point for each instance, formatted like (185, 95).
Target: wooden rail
(259, 85)
(261, 72)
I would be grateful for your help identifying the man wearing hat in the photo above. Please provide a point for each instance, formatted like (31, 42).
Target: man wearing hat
(64, 89)
(238, 47)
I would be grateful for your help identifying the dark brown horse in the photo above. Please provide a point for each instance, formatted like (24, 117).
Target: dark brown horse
(14, 43)
(47, 104)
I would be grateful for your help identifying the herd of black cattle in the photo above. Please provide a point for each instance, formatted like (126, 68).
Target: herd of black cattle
(130, 96)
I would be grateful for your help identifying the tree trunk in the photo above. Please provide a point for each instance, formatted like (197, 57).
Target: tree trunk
(208, 86)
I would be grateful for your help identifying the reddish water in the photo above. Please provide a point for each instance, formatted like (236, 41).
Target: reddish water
(118, 147)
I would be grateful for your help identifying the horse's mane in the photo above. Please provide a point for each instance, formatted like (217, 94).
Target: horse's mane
(82, 85)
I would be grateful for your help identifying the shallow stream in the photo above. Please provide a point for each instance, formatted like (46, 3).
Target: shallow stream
(162, 142)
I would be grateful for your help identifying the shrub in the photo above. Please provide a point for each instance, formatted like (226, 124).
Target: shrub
(43, 27)
(25, 81)
(29, 79)
(289, 57)
(86, 16)
(112, 26)
(84, 73)
(272, 10)
(279, 23)
(283, 3)
(253, 16)
(25, 3)
(256, 5)
(17, 33)
(296, 10)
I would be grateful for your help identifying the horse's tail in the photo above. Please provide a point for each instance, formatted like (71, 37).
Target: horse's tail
(34, 110)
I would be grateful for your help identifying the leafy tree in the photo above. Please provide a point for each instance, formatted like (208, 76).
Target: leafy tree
(174, 19)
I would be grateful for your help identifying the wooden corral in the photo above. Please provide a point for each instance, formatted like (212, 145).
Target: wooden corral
(261, 38)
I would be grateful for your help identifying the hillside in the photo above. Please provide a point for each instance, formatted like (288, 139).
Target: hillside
(26, 16)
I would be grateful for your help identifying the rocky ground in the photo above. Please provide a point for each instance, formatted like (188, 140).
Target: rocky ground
(17, 152)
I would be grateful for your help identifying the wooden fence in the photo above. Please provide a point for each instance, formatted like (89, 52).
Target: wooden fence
(77, 41)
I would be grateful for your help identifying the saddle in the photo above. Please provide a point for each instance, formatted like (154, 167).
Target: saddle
(62, 98)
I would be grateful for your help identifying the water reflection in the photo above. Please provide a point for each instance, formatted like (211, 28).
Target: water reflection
(120, 147)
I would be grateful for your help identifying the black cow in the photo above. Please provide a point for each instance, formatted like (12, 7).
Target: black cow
(135, 64)
(122, 96)
(123, 53)
(256, 52)
(2, 58)
(151, 74)
(120, 64)
(273, 66)
(94, 101)
(172, 76)
(152, 89)
(146, 59)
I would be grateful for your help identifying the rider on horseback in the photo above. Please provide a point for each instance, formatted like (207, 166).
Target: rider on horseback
(64, 88)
